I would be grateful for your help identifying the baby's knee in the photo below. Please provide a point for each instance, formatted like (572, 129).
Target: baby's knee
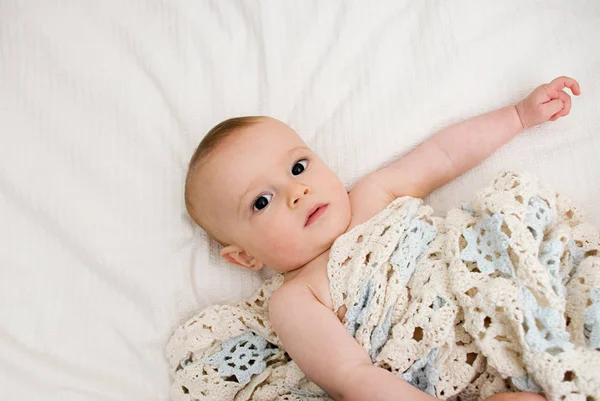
(516, 397)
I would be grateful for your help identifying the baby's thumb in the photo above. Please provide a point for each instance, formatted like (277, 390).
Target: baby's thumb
(553, 107)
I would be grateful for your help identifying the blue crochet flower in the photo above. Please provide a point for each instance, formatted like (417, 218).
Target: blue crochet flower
(525, 383)
(242, 357)
(543, 332)
(487, 245)
(468, 208)
(356, 314)
(380, 335)
(550, 254)
(591, 319)
(417, 236)
(423, 374)
(538, 217)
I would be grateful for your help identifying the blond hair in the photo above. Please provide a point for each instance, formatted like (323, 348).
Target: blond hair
(209, 143)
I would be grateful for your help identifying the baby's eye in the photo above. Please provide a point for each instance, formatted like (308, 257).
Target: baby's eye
(262, 202)
(299, 167)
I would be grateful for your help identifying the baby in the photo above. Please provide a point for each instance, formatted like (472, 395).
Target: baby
(258, 189)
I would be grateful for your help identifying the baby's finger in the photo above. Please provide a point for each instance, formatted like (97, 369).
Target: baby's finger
(563, 82)
(562, 95)
(540, 94)
(552, 109)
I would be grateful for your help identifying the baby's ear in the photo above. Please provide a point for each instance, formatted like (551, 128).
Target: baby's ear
(237, 256)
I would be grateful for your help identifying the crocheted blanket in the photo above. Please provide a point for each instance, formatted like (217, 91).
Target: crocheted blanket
(501, 295)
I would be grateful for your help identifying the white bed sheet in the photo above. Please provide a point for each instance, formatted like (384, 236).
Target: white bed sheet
(103, 102)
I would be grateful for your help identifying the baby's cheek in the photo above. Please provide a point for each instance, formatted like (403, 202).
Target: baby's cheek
(282, 239)
(284, 245)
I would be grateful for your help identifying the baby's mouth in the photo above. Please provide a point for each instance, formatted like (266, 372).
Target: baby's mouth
(315, 213)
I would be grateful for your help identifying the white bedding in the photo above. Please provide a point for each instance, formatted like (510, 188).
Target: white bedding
(103, 102)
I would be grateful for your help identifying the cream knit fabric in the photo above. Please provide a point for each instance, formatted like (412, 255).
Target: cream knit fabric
(501, 295)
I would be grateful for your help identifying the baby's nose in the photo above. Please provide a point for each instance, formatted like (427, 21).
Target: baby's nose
(297, 192)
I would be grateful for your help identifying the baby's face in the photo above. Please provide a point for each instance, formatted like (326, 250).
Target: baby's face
(273, 197)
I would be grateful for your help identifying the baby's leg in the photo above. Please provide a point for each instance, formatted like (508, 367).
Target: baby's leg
(516, 397)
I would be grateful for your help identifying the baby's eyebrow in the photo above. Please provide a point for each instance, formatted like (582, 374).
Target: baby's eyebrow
(298, 147)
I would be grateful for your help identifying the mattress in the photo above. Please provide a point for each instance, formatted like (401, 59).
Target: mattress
(103, 102)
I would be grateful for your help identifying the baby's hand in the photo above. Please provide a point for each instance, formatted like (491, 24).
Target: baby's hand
(547, 102)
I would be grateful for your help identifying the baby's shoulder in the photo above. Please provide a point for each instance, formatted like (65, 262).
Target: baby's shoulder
(312, 285)
(285, 301)
(368, 197)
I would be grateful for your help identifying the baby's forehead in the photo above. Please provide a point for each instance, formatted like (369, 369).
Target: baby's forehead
(247, 155)
(267, 129)
(265, 139)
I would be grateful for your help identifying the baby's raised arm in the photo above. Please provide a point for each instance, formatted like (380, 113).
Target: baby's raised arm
(322, 348)
(462, 146)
